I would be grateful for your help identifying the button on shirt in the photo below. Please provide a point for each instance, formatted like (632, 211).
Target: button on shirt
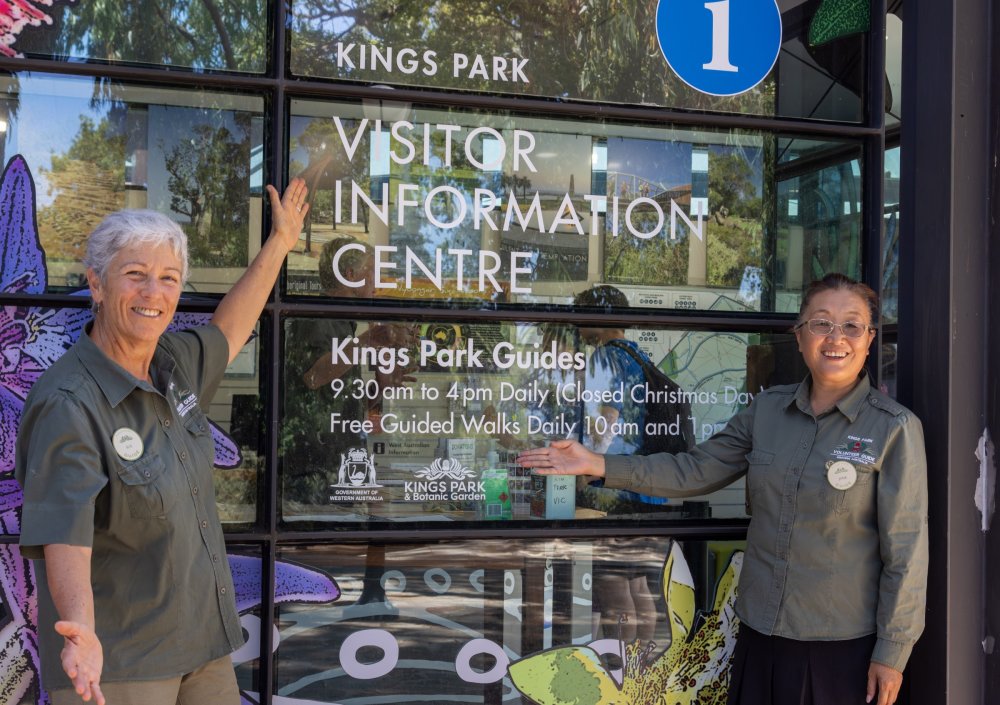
(146, 509)
(821, 563)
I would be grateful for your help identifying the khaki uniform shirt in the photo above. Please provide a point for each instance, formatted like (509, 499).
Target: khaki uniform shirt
(820, 563)
(163, 594)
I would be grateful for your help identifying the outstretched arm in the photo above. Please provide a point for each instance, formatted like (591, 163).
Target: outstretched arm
(239, 310)
(68, 570)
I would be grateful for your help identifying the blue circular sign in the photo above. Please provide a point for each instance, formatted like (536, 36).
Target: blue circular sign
(719, 47)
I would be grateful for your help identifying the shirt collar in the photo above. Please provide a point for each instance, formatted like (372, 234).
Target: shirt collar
(114, 381)
(849, 405)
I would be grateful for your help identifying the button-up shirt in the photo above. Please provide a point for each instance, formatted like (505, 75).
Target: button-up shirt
(821, 563)
(114, 463)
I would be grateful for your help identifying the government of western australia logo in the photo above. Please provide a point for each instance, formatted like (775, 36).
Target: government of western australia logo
(356, 480)
(356, 469)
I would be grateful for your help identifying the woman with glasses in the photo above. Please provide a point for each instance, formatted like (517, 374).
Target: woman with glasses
(832, 589)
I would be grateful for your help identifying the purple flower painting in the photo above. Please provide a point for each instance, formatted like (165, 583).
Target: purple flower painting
(31, 339)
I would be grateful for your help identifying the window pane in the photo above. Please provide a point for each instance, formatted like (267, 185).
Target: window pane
(890, 238)
(390, 422)
(894, 64)
(238, 411)
(596, 51)
(473, 207)
(819, 213)
(93, 147)
(228, 35)
(436, 622)
(245, 564)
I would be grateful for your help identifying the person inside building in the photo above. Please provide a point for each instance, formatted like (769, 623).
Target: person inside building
(311, 452)
(312, 455)
(626, 576)
(136, 599)
(833, 585)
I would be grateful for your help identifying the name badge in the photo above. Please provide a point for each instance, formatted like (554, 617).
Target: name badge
(127, 443)
(841, 475)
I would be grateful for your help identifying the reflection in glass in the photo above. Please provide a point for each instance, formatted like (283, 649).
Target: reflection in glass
(393, 422)
(890, 238)
(818, 214)
(450, 619)
(598, 51)
(96, 146)
(203, 34)
(478, 208)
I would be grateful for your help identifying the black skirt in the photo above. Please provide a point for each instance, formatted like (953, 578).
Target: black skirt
(773, 670)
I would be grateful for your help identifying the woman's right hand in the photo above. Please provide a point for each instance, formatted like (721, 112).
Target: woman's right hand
(563, 457)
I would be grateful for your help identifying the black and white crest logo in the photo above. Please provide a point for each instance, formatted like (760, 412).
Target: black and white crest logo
(356, 470)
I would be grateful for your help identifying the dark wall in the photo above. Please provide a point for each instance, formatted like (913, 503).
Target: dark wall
(992, 626)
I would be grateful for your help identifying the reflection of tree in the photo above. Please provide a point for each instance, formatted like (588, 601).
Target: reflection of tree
(220, 34)
(327, 162)
(731, 186)
(596, 49)
(518, 184)
(735, 228)
(733, 233)
(210, 184)
(88, 181)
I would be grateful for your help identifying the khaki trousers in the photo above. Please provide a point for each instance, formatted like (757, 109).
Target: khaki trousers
(212, 684)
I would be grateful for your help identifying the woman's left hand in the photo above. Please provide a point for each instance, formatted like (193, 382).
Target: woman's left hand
(883, 681)
(288, 213)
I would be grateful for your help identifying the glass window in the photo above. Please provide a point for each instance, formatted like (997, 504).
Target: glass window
(245, 564)
(819, 214)
(94, 146)
(474, 207)
(480, 621)
(237, 412)
(894, 64)
(595, 51)
(890, 238)
(389, 422)
(230, 36)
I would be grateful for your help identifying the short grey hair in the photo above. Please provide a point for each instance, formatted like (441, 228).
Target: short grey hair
(133, 227)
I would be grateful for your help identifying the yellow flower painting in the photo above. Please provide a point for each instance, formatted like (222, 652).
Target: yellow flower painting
(692, 670)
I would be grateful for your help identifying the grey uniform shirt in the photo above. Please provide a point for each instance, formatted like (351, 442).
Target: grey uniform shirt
(821, 563)
(163, 594)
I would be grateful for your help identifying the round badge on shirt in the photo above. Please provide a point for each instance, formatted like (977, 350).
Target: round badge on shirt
(127, 443)
(841, 475)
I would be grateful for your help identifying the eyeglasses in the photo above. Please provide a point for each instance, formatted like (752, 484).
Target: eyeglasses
(821, 326)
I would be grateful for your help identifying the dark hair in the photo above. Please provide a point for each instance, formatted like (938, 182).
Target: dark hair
(352, 259)
(839, 282)
(603, 296)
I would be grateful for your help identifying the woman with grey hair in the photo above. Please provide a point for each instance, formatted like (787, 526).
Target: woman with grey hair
(136, 600)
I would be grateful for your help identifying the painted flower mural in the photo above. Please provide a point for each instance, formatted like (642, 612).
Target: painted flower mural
(31, 339)
(15, 16)
(693, 670)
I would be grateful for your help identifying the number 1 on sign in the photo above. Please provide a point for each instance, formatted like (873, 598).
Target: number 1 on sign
(720, 37)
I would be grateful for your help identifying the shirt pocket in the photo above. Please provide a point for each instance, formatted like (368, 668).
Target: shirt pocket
(860, 495)
(148, 487)
(200, 432)
(758, 464)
